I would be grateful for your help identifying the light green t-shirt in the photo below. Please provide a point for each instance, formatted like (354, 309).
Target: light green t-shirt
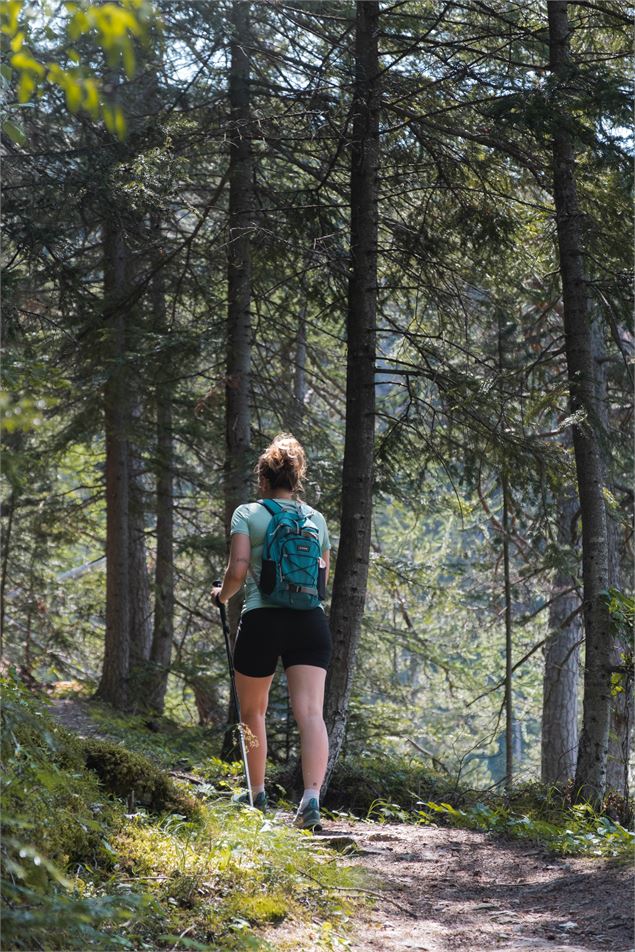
(252, 519)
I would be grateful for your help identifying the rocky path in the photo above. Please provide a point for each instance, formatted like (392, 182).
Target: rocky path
(436, 889)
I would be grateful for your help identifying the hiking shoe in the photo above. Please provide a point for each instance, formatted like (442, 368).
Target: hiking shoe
(260, 800)
(309, 818)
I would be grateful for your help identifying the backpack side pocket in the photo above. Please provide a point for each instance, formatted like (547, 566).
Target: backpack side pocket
(268, 576)
(321, 585)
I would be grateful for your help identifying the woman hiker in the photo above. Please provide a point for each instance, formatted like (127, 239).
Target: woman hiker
(267, 631)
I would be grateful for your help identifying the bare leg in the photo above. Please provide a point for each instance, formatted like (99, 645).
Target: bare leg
(306, 691)
(253, 697)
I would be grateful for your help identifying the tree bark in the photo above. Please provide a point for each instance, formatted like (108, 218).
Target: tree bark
(299, 375)
(237, 472)
(587, 434)
(163, 631)
(238, 364)
(114, 679)
(211, 712)
(6, 548)
(621, 727)
(138, 580)
(559, 740)
(509, 671)
(351, 571)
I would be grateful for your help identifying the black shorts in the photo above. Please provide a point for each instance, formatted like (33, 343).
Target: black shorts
(265, 634)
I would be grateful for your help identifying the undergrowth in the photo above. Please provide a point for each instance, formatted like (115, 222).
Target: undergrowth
(537, 812)
(405, 790)
(579, 830)
(83, 869)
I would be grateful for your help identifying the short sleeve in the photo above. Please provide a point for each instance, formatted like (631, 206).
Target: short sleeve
(326, 542)
(239, 522)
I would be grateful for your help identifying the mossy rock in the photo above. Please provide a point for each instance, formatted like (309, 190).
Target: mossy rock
(122, 772)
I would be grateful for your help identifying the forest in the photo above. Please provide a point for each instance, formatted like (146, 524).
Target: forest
(401, 232)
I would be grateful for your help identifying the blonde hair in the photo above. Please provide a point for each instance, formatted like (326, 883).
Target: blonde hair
(283, 463)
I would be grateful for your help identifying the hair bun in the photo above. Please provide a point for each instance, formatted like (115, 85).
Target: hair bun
(283, 463)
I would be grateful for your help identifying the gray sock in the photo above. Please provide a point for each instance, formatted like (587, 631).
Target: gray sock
(311, 793)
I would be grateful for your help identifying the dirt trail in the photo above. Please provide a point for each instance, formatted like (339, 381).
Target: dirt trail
(447, 889)
(74, 714)
(440, 890)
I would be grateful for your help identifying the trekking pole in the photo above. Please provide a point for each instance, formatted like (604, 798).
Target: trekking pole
(241, 732)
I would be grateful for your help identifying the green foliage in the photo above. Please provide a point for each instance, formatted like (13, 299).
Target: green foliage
(114, 27)
(581, 830)
(622, 616)
(53, 816)
(622, 611)
(537, 812)
(360, 783)
(219, 871)
(44, 786)
(174, 742)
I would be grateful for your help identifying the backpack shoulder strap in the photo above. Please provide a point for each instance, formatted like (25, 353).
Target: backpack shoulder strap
(271, 506)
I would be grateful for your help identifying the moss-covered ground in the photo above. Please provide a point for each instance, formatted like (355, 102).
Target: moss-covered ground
(87, 863)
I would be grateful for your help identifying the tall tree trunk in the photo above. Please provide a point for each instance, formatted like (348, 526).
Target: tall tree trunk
(621, 728)
(509, 680)
(6, 548)
(507, 593)
(138, 580)
(587, 434)
(163, 632)
(238, 362)
(114, 679)
(351, 571)
(559, 740)
(299, 375)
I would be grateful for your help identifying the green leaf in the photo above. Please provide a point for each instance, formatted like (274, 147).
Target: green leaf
(120, 123)
(14, 132)
(73, 92)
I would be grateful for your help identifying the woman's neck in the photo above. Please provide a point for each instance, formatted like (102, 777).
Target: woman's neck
(276, 493)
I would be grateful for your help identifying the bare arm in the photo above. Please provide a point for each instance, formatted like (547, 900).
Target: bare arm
(237, 567)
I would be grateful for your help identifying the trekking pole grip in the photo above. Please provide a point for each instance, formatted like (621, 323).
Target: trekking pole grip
(217, 584)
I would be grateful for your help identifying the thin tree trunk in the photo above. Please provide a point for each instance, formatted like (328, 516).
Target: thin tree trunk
(114, 679)
(138, 580)
(238, 362)
(238, 366)
(163, 633)
(299, 376)
(509, 705)
(6, 548)
(559, 740)
(351, 571)
(509, 668)
(587, 434)
(621, 728)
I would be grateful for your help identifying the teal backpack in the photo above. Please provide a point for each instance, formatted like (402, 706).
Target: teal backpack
(291, 574)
